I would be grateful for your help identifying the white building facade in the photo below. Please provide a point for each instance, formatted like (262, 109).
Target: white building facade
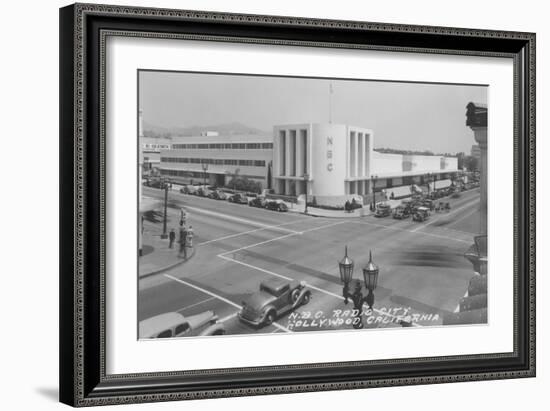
(337, 160)
(333, 158)
(217, 159)
(328, 161)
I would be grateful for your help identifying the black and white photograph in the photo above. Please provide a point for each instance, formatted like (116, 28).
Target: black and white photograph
(273, 204)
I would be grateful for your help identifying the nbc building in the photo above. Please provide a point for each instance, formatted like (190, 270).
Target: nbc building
(218, 158)
(329, 161)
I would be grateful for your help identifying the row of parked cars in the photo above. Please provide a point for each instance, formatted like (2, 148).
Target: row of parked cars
(251, 199)
(419, 206)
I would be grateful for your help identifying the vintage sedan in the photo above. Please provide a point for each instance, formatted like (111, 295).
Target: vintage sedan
(400, 212)
(174, 324)
(217, 195)
(276, 206)
(238, 198)
(382, 210)
(421, 214)
(257, 202)
(275, 298)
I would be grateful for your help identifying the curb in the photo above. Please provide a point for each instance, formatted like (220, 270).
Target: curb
(168, 267)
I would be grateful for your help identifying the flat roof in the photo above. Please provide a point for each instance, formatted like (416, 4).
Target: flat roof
(224, 138)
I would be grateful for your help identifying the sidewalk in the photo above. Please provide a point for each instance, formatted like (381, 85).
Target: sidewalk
(157, 257)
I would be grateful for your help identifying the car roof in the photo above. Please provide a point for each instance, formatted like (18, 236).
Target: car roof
(154, 325)
(274, 284)
(423, 208)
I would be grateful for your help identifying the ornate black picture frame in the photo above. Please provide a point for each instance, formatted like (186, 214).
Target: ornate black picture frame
(83, 30)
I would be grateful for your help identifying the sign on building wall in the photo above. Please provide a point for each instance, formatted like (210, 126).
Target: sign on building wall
(330, 165)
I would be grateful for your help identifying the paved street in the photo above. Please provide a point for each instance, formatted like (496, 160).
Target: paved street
(423, 273)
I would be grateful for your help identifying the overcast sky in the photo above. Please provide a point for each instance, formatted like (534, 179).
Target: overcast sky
(401, 115)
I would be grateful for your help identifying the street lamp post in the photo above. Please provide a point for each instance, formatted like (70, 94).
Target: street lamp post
(431, 177)
(204, 170)
(370, 278)
(164, 234)
(306, 179)
(373, 204)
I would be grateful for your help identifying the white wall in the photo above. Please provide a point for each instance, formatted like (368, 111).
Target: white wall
(29, 291)
(386, 163)
(328, 181)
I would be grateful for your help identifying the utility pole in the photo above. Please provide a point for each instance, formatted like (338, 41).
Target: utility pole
(164, 234)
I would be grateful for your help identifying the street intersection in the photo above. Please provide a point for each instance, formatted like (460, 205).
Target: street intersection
(423, 273)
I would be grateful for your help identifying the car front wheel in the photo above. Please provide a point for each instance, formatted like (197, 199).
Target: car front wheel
(269, 318)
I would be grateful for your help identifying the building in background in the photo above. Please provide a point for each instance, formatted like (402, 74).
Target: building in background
(218, 158)
(150, 148)
(330, 161)
(336, 161)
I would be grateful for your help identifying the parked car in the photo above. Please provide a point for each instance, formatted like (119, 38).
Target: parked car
(428, 204)
(421, 214)
(203, 191)
(257, 202)
(156, 183)
(382, 210)
(174, 324)
(276, 206)
(400, 212)
(238, 198)
(274, 298)
(407, 204)
(446, 191)
(217, 195)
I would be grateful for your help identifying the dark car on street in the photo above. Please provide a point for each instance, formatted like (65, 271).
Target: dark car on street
(238, 198)
(428, 204)
(382, 210)
(257, 202)
(276, 206)
(274, 298)
(217, 195)
(156, 183)
(400, 212)
(421, 214)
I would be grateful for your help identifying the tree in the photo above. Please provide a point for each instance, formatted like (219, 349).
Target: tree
(471, 163)
(245, 184)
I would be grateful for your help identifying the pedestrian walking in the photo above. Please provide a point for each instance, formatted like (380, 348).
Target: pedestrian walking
(172, 237)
